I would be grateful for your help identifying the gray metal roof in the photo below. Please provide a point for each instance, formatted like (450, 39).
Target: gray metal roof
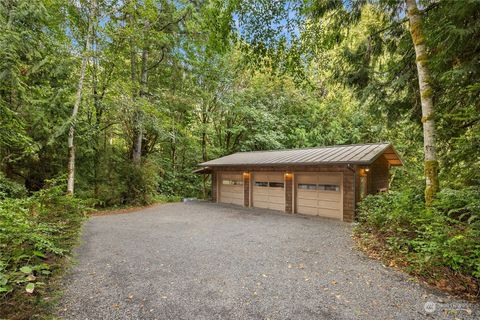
(362, 154)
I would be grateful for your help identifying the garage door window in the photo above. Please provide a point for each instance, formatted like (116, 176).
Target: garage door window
(261, 184)
(307, 186)
(275, 184)
(232, 182)
(329, 187)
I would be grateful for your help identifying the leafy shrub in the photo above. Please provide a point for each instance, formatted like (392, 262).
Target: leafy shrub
(463, 204)
(184, 184)
(10, 188)
(164, 198)
(34, 233)
(131, 184)
(447, 235)
(140, 183)
(457, 214)
(390, 210)
(137, 185)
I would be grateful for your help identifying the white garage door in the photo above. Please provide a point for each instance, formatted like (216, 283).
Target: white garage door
(231, 188)
(268, 190)
(319, 194)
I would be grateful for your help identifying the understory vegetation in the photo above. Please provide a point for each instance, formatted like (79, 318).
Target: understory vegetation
(123, 99)
(441, 243)
(36, 233)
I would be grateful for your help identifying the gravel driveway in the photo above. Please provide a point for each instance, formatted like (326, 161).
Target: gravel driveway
(207, 261)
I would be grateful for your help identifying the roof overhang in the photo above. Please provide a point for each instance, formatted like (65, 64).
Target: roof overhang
(391, 156)
(288, 164)
(360, 155)
(203, 170)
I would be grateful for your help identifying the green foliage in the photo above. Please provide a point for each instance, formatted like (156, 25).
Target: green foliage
(140, 183)
(445, 235)
(387, 211)
(127, 185)
(351, 80)
(462, 205)
(34, 233)
(166, 199)
(10, 188)
(181, 184)
(456, 75)
(35, 88)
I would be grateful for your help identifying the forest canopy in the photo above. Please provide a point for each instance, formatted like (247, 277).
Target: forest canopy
(169, 84)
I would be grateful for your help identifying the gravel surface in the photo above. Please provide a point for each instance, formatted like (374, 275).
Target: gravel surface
(207, 261)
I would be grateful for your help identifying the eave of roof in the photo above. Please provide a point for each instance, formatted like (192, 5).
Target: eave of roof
(203, 170)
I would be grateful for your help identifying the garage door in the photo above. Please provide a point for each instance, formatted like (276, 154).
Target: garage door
(319, 194)
(231, 188)
(268, 190)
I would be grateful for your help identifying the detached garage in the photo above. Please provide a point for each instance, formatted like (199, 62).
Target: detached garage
(326, 181)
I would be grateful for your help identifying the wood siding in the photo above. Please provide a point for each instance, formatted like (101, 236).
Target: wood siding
(289, 193)
(378, 175)
(214, 186)
(246, 189)
(348, 196)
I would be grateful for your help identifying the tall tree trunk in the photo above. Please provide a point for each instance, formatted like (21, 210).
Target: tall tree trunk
(137, 148)
(78, 99)
(204, 145)
(136, 151)
(144, 73)
(174, 147)
(426, 94)
(204, 151)
(98, 115)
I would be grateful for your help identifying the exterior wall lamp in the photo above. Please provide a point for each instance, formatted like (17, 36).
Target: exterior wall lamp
(364, 171)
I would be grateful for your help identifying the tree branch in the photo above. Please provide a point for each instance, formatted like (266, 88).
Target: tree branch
(395, 24)
(175, 21)
(159, 61)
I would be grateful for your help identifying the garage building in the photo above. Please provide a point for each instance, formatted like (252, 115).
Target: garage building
(326, 181)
